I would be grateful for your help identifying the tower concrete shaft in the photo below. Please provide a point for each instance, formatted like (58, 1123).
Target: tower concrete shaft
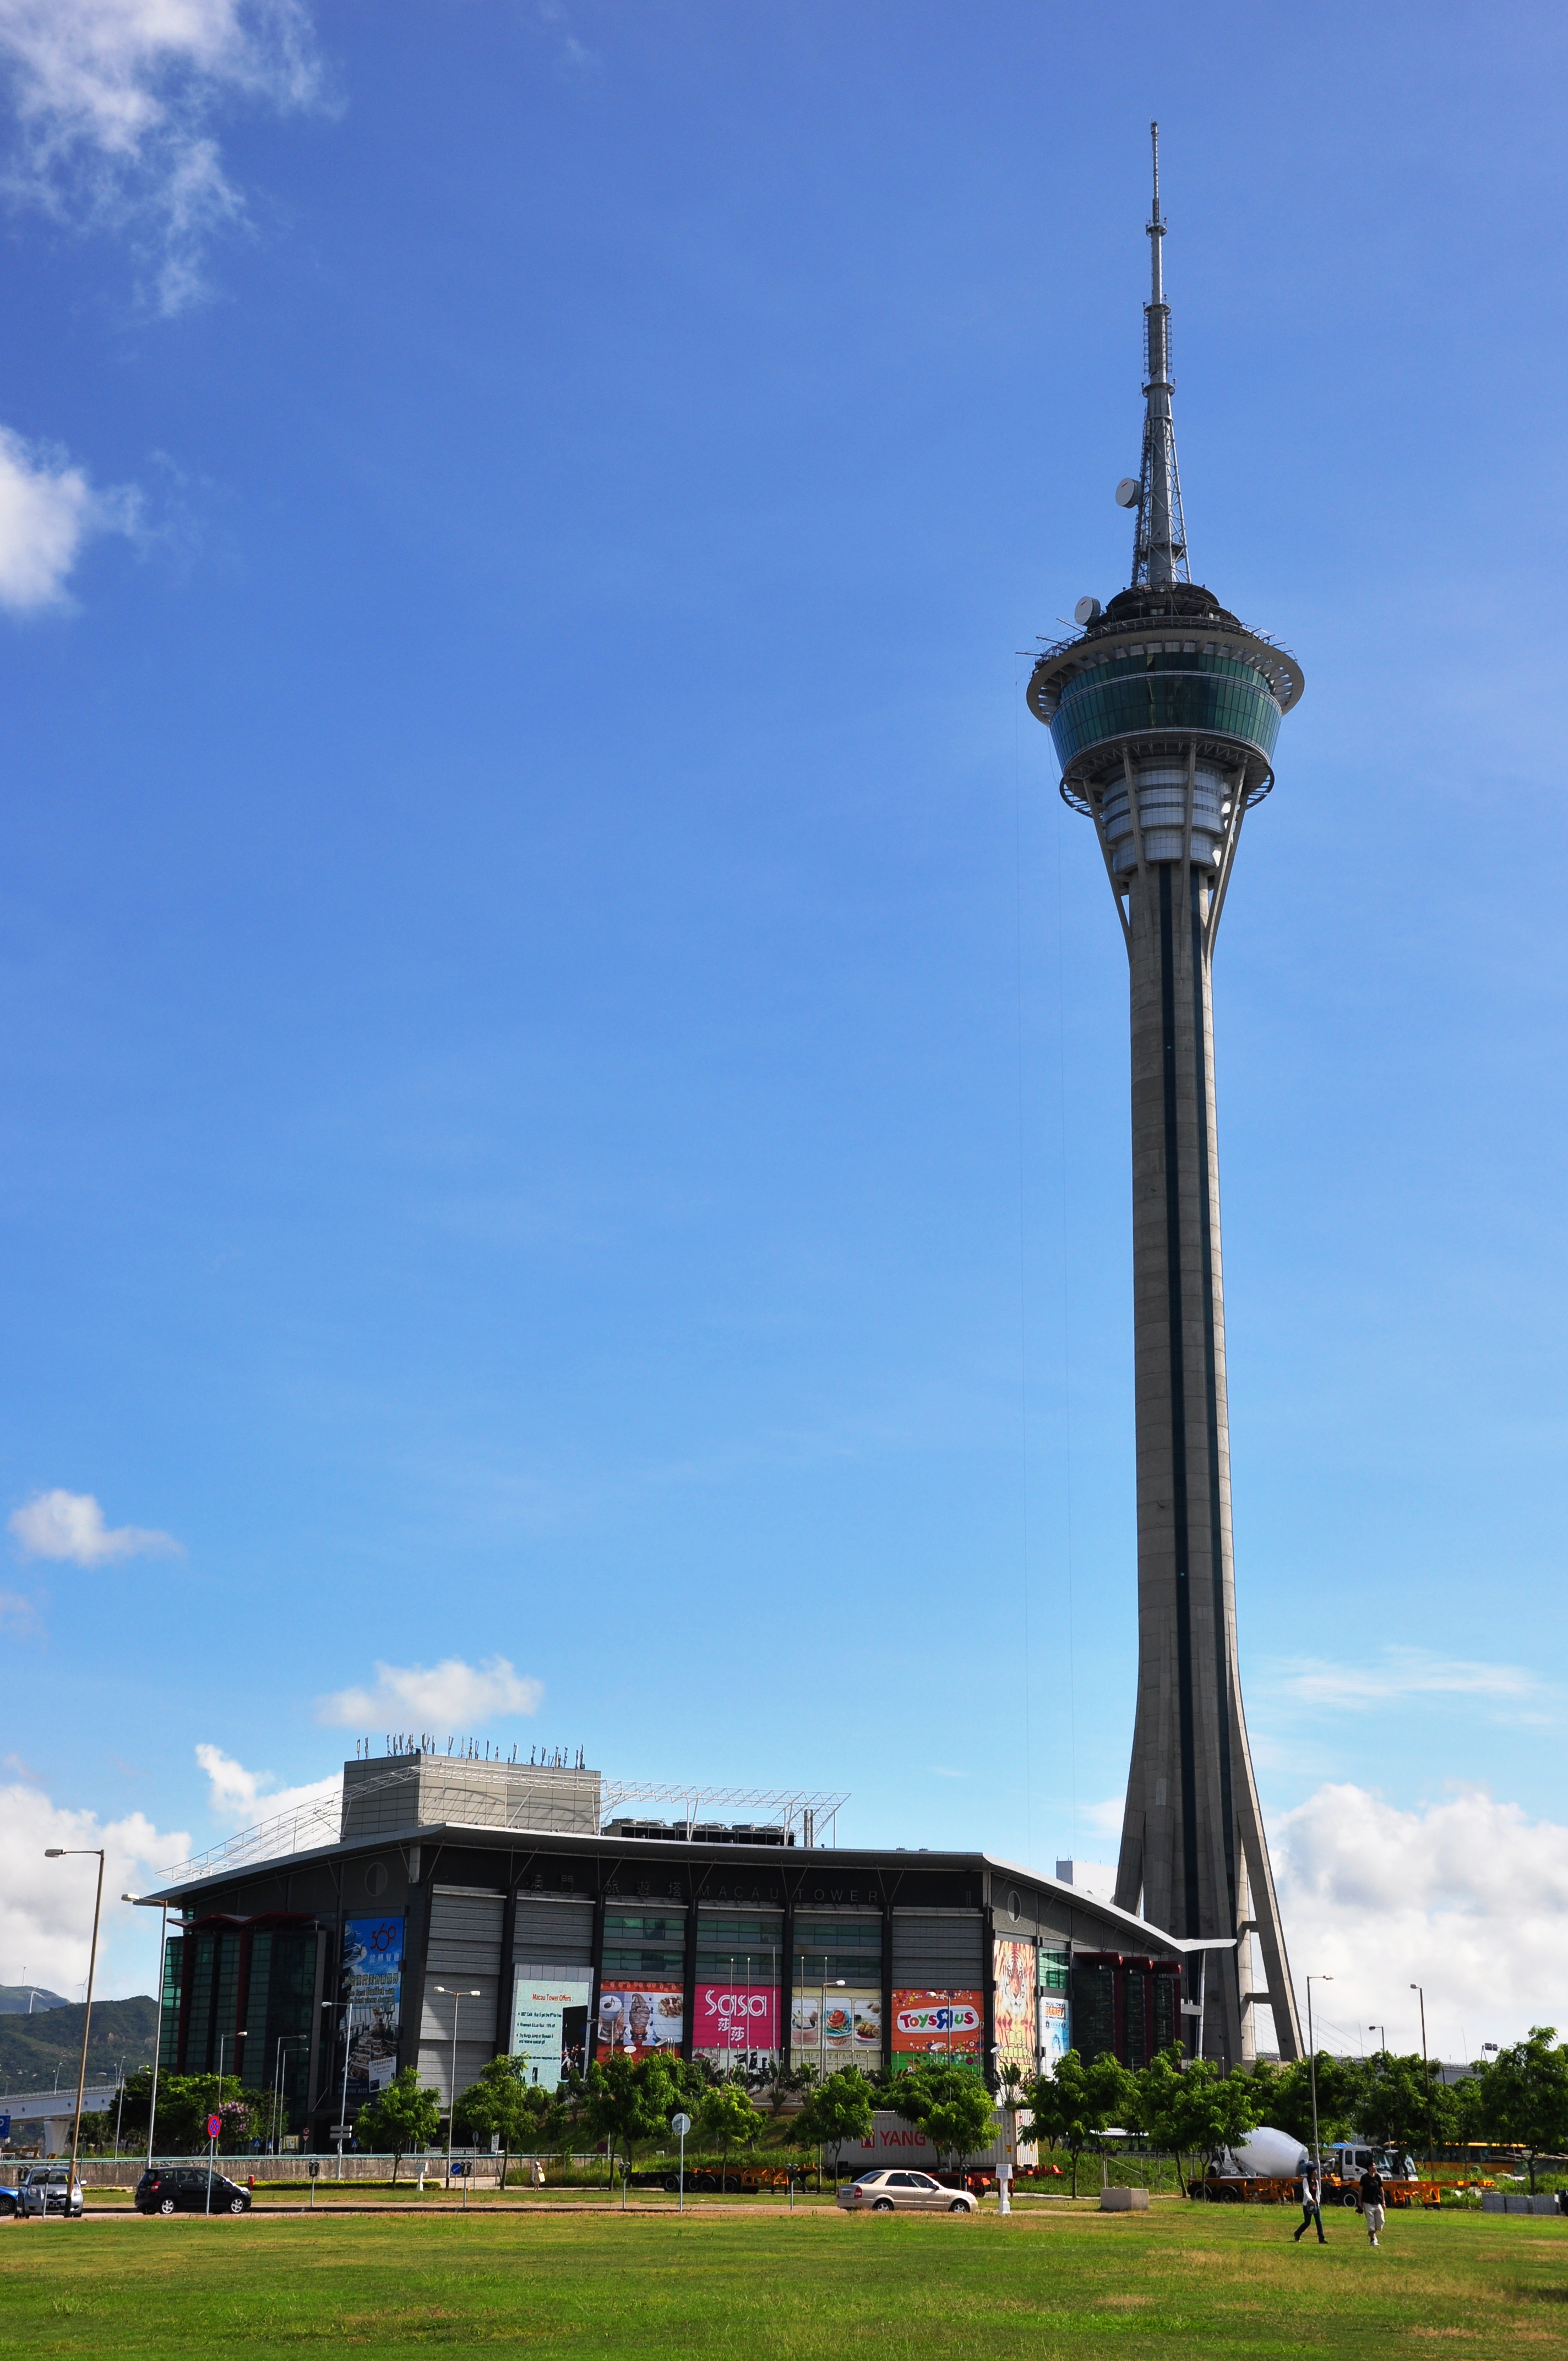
(1163, 715)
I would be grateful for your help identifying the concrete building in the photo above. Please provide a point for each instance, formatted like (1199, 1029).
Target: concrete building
(1164, 712)
(463, 1911)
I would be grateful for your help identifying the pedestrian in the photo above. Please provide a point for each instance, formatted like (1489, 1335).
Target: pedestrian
(1312, 2205)
(1372, 2195)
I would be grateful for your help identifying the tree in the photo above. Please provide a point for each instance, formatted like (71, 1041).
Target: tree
(624, 2101)
(726, 2116)
(1069, 2106)
(1284, 2096)
(1524, 2094)
(503, 2104)
(184, 2103)
(399, 2117)
(952, 2106)
(840, 2108)
(1393, 2106)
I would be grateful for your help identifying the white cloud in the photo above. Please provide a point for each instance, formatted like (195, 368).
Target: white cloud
(1468, 1896)
(1105, 1818)
(71, 1525)
(46, 1906)
(452, 1693)
(49, 511)
(1400, 1673)
(242, 1796)
(16, 1613)
(112, 101)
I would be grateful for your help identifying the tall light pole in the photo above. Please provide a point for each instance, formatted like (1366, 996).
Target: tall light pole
(1383, 2031)
(213, 2142)
(283, 2041)
(1426, 2069)
(158, 2029)
(457, 1997)
(822, 2018)
(1313, 2064)
(60, 1853)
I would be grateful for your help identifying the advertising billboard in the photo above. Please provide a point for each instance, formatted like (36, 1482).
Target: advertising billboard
(1015, 2021)
(550, 2022)
(937, 2025)
(1056, 2029)
(373, 1992)
(635, 2019)
(737, 2020)
(849, 2026)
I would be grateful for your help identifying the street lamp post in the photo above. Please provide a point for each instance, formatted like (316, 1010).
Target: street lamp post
(822, 2018)
(283, 2041)
(158, 2029)
(1426, 2069)
(343, 2102)
(1383, 2031)
(60, 1853)
(212, 2137)
(456, 1996)
(1313, 2064)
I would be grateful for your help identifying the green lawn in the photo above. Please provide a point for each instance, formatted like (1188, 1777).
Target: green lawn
(1180, 2282)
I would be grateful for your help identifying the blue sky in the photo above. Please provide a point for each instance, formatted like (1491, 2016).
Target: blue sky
(565, 1095)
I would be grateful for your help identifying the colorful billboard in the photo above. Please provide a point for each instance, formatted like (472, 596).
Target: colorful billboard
(937, 2023)
(1056, 2029)
(373, 1993)
(1014, 2018)
(550, 2022)
(737, 2020)
(849, 2026)
(634, 2019)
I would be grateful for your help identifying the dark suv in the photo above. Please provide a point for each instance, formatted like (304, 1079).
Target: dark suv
(182, 2188)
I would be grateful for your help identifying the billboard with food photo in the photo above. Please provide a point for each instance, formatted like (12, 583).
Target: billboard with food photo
(850, 2025)
(937, 2025)
(1017, 2022)
(735, 2019)
(634, 2019)
(550, 2022)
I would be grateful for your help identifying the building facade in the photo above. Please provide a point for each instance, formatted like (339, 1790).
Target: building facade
(440, 1944)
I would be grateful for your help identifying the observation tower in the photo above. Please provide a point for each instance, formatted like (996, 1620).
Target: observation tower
(1163, 714)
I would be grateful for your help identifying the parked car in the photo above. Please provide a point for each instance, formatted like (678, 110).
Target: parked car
(900, 2193)
(10, 2200)
(42, 2190)
(182, 2188)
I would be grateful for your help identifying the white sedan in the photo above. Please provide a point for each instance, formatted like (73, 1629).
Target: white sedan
(904, 2192)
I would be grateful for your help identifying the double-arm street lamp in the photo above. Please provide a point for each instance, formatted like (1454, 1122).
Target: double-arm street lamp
(458, 1996)
(93, 1853)
(157, 2028)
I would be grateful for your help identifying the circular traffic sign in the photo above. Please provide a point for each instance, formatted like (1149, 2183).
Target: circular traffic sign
(680, 2125)
(214, 2125)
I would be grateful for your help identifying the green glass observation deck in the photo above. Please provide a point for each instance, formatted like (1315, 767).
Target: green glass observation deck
(1165, 693)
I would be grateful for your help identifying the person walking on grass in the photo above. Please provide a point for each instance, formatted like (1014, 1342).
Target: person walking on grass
(1312, 2205)
(1372, 2197)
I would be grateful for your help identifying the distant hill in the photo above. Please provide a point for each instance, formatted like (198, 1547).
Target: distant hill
(15, 1999)
(32, 2047)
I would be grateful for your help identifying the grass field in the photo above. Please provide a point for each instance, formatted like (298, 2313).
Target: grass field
(1179, 2281)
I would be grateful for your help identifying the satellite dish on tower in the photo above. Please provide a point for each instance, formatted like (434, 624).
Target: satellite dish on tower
(1088, 610)
(1128, 492)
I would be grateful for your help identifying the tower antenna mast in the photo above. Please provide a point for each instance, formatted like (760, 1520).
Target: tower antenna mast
(1159, 544)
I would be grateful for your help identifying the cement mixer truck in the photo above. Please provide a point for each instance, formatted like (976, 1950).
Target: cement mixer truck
(1266, 2168)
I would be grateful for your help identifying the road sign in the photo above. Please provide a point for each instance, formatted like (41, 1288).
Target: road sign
(313, 2166)
(4, 2127)
(341, 2131)
(680, 2125)
(214, 2125)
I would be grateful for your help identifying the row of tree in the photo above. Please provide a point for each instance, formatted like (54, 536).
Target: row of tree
(1186, 2107)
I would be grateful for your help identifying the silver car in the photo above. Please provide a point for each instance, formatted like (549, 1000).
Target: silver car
(904, 2192)
(41, 2190)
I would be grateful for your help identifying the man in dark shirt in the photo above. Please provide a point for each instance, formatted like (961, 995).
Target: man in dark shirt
(1372, 2195)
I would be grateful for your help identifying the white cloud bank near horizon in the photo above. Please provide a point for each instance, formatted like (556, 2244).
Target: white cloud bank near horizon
(46, 1906)
(112, 102)
(452, 1693)
(69, 1527)
(1465, 1896)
